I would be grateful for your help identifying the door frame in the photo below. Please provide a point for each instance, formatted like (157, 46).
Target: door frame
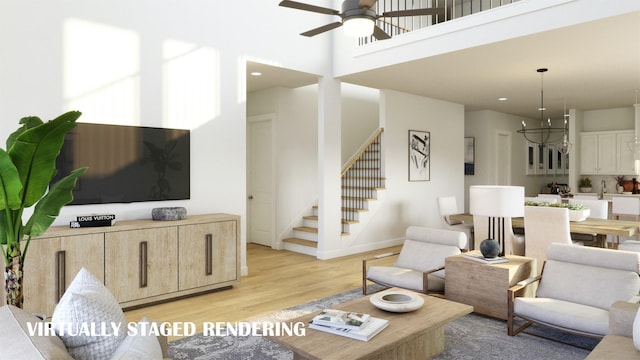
(271, 117)
(506, 167)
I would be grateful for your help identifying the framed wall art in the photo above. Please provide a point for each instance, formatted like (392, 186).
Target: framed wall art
(419, 155)
(469, 155)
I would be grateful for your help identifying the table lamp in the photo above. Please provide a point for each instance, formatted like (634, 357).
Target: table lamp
(496, 202)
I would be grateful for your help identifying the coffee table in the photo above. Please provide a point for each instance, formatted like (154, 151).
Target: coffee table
(412, 335)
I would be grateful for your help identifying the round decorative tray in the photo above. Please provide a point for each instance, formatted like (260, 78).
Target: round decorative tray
(396, 301)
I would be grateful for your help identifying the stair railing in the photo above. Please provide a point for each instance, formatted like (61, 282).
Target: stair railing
(452, 9)
(361, 176)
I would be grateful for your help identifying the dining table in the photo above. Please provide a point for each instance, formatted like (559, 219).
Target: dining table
(601, 227)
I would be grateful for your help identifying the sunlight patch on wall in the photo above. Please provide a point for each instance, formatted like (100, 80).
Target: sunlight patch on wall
(191, 84)
(101, 70)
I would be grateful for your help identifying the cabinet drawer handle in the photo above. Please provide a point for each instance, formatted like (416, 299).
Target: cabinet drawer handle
(143, 264)
(208, 257)
(61, 281)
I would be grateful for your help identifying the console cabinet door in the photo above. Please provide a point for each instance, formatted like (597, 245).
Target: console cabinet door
(141, 263)
(208, 254)
(52, 263)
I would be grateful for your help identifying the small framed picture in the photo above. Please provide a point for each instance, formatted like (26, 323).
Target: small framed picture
(419, 155)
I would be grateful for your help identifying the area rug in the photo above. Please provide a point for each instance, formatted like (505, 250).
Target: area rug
(470, 337)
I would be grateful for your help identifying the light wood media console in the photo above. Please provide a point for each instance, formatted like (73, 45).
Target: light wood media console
(140, 261)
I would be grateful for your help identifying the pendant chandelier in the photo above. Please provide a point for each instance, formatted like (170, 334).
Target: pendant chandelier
(546, 134)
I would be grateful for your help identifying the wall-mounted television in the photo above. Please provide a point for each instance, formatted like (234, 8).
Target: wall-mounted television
(126, 163)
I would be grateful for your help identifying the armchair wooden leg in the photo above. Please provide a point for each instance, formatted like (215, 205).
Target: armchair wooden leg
(364, 277)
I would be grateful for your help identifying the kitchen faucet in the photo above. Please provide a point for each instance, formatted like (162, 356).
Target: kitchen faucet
(603, 189)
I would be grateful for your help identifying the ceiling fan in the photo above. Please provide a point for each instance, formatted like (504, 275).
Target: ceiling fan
(357, 12)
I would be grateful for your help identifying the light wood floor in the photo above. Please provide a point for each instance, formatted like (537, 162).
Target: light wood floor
(277, 279)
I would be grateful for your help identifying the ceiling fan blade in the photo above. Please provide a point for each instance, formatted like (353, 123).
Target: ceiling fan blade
(307, 7)
(414, 12)
(322, 29)
(380, 34)
(367, 3)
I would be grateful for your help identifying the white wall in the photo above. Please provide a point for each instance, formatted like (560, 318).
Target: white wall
(155, 63)
(296, 113)
(483, 125)
(414, 203)
(360, 117)
(296, 150)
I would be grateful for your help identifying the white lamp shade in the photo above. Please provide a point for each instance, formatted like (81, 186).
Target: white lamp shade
(358, 26)
(496, 200)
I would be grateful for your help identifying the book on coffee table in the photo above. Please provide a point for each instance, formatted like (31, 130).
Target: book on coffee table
(370, 329)
(341, 319)
(480, 258)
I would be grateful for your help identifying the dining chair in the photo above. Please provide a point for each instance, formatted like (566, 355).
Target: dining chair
(628, 208)
(447, 205)
(598, 209)
(543, 226)
(514, 243)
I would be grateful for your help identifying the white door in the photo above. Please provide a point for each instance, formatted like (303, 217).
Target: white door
(503, 158)
(260, 183)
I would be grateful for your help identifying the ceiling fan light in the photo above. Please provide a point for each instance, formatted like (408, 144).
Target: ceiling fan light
(358, 26)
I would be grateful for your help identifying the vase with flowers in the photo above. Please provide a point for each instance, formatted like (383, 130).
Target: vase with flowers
(620, 184)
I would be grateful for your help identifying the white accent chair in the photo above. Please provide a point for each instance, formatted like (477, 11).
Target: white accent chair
(420, 263)
(447, 206)
(598, 209)
(514, 244)
(576, 290)
(544, 225)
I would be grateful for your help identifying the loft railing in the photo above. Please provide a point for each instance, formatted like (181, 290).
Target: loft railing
(453, 9)
(362, 177)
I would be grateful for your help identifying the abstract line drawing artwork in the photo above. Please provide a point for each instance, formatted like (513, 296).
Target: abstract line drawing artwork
(419, 155)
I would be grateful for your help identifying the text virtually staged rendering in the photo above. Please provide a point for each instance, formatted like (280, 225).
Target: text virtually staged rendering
(320, 180)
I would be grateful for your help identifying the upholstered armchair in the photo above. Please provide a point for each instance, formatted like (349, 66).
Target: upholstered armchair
(576, 290)
(420, 263)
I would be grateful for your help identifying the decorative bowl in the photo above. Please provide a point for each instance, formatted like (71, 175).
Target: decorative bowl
(396, 301)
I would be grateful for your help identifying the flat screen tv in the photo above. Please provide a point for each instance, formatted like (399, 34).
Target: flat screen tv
(126, 163)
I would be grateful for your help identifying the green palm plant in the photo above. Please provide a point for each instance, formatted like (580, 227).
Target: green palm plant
(26, 168)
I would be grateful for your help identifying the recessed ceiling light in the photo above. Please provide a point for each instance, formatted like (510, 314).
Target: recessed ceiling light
(256, 73)
(503, 99)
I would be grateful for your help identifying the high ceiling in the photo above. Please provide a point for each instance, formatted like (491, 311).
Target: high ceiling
(594, 65)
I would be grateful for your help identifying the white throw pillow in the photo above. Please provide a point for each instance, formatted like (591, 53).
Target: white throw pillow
(85, 304)
(139, 346)
(636, 330)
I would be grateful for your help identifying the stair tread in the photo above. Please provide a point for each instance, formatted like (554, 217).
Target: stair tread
(302, 242)
(344, 221)
(308, 229)
(353, 209)
(363, 198)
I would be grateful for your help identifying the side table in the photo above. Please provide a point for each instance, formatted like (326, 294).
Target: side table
(484, 286)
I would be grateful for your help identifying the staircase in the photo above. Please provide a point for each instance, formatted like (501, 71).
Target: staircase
(362, 183)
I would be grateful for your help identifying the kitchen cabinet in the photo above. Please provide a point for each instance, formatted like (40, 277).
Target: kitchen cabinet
(625, 164)
(598, 152)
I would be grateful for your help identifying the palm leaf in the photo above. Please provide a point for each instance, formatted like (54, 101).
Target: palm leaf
(48, 208)
(34, 153)
(10, 185)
